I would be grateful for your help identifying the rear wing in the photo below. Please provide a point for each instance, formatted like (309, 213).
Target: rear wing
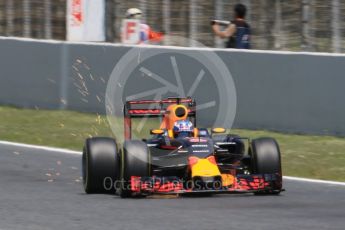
(154, 108)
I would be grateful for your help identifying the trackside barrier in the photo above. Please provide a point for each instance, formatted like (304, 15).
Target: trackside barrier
(282, 91)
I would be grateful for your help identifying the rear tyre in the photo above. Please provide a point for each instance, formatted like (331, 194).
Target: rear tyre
(135, 162)
(100, 165)
(266, 159)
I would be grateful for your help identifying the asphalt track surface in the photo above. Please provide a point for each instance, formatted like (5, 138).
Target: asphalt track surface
(41, 189)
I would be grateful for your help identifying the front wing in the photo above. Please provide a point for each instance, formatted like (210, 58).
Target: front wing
(173, 185)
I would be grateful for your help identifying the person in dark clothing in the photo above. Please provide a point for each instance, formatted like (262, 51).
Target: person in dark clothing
(238, 30)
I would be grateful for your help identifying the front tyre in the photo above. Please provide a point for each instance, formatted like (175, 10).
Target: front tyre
(135, 162)
(266, 159)
(100, 165)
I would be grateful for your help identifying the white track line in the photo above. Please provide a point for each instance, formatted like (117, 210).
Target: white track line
(314, 180)
(68, 151)
(59, 150)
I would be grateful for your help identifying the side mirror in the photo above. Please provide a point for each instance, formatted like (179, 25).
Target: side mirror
(218, 130)
(156, 131)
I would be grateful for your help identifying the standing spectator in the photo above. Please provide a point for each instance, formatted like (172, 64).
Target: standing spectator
(146, 33)
(238, 30)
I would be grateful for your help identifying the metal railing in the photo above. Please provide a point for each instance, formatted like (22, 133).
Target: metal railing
(298, 25)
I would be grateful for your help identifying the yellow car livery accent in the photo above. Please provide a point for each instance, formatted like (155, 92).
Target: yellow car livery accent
(204, 168)
(227, 179)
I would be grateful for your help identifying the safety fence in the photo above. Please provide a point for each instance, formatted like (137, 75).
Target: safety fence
(297, 25)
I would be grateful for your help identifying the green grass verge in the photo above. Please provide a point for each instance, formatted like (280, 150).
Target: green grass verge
(319, 157)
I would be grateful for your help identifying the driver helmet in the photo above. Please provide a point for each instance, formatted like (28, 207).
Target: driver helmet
(183, 128)
(133, 13)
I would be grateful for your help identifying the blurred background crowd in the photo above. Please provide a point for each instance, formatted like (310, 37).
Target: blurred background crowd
(296, 25)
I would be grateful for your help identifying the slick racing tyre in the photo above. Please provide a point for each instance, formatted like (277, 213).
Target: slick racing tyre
(135, 162)
(100, 165)
(266, 159)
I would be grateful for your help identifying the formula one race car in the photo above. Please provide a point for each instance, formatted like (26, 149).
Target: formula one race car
(179, 158)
